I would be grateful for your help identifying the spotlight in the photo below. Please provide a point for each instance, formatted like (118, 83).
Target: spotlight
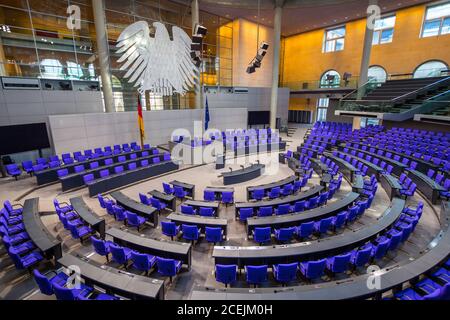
(197, 43)
(256, 61)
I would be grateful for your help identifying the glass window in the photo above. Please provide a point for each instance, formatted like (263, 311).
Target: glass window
(430, 69)
(322, 105)
(51, 69)
(334, 40)
(377, 74)
(437, 20)
(383, 30)
(330, 79)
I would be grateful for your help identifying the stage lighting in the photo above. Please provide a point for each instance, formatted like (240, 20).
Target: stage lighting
(256, 61)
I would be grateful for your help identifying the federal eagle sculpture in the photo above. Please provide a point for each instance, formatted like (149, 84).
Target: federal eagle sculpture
(157, 64)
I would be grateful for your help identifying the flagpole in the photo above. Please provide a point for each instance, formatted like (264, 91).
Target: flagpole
(141, 122)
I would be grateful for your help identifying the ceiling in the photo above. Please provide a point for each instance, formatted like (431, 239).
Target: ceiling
(300, 15)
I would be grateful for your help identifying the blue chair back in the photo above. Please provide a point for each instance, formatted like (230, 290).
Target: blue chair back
(169, 228)
(187, 209)
(206, 212)
(63, 293)
(190, 232)
(43, 283)
(209, 195)
(262, 235)
(256, 274)
(99, 246)
(305, 230)
(315, 269)
(362, 256)
(286, 272)
(118, 254)
(213, 234)
(227, 197)
(226, 273)
(264, 211)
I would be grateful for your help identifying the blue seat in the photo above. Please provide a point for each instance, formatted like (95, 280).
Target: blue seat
(299, 206)
(442, 274)
(206, 212)
(88, 178)
(142, 261)
(144, 199)
(313, 202)
(305, 230)
(190, 232)
(287, 190)
(62, 173)
(227, 197)
(27, 166)
(13, 170)
(284, 234)
(264, 211)
(79, 231)
(134, 220)
(313, 269)
(46, 284)
(213, 234)
(179, 192)
(285, 273)
(361, 256)
(24, 261)
(282, 209)
(258, 194)
(169, 229)
(339, 220)
(158, 205)
(119, 213)
(274, 193)
(62, 207)
(256, 274)
(209, 195)
(323, 225)
(101, 247)
(168, 267)
(262, 235)
(245, 213)
(118, 169)
(63, 293)
(339, 263)
(119, 254)
(226, 274)
(379, 250)
(167, 188)
(188, 209)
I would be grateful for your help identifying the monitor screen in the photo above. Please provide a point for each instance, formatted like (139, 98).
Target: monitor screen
(258, 117)
(23, 137)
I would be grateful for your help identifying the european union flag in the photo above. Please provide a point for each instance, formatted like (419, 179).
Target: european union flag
(206, 114)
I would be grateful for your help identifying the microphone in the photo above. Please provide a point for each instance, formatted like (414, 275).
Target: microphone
(231, 169)
(242, 166)
(257, 161)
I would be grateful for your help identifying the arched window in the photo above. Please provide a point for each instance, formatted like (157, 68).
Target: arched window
(377, 74)
(51, 69)
(330, 79)
(430, 69)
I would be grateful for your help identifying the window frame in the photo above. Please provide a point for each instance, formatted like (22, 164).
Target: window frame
(380, 30)
(441, 20)
(325, 40)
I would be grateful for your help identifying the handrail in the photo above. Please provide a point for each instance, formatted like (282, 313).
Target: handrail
(423, 88)
(357, 89)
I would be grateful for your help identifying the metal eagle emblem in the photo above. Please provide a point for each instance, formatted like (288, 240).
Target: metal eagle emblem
(157, 64)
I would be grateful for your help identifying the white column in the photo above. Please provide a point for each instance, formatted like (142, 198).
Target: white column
(365, 59)
(103, 53)
(198, 88)
(276, 62)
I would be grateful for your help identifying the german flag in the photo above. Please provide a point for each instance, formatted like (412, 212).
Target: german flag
(141, 122)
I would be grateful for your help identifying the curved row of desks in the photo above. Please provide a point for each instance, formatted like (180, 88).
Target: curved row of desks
(201, 222)
(348, 171)
(75, 180)
(313, 250)
(88, 216)
(122, 179)
(139, 208)
(389, 183)
(244, 174)
(296, 219)
(161, 248)
(50, 175)
(267, 187)
(291, 199)
(391, 278)
(425, 184)
(115, 281)
(41, 237)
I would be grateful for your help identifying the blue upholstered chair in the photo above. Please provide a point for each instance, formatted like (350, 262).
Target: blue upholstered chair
(305, 230)
(264, 211)
(206, 212)
(134, 220)
(169, 229)
(46, 284)
(226, 274)
(158, 205)
(209, 195)
(101, 247)
(227, 197)
(119, 254)
(13, 170)
(339, 263)
(284, 234)
(142, 261)
(313, 269)
(168, 267)
(190, 232)
(179, 192)
(258, 194)
(256, 274)
(285, 273)
(213, 235)
(262, 235)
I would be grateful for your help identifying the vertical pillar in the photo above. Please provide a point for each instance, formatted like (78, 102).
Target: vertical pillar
(365, 59)
(276, 62)
(195, 20)
(103, 53)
